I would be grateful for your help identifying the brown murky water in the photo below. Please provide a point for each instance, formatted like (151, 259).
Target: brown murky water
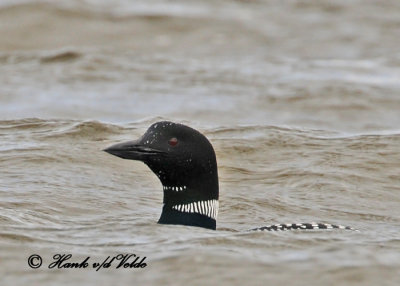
(300, 100)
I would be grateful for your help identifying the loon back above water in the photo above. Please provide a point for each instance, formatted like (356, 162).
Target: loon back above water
(185, 162)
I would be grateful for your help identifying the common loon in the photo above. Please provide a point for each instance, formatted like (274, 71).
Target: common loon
(185, 162)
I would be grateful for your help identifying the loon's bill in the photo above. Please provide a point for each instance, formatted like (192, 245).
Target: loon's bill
(185, 162)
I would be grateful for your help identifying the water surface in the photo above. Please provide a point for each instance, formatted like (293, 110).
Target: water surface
(299, 99)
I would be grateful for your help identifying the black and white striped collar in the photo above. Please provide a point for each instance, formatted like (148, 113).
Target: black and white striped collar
(207, 208)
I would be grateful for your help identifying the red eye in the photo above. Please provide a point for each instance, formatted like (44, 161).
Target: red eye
(173, 141)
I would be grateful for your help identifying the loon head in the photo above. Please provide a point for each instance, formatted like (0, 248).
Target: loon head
(184, 161)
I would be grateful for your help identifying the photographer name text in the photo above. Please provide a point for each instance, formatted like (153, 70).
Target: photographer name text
(66, 261)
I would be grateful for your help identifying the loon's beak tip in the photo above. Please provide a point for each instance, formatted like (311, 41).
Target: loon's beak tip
(112, 150)
(107, 150)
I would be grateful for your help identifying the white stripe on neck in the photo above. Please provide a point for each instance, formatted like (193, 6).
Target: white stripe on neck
(208, 208)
